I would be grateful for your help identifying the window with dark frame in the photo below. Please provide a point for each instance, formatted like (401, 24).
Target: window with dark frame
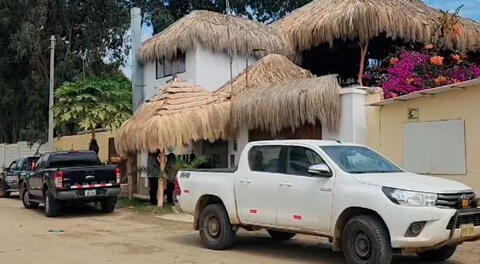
(165, 68)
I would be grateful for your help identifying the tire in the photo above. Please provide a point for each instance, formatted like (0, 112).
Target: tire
(281, 236)
(438, 255)
(365, 240)
(3, 193)
(25, 196)
(108, 205)
(52, 206)
(216, 230)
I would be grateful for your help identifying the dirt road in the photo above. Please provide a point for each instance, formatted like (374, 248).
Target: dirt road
(122, 237)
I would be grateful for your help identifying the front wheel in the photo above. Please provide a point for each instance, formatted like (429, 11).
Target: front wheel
(365, 240)
(27, 203)
(216, 230)
(3, 193)
(278, 235)
(438, 255)
(108, 205)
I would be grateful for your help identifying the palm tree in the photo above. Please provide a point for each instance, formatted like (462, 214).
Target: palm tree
(91, 103)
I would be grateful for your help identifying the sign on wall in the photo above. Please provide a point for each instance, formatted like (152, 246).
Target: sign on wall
(413, 115)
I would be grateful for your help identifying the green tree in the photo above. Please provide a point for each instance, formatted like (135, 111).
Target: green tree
(90, 104)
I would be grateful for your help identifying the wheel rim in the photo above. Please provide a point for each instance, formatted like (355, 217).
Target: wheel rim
(213, 226)
(362, 245)
(47, 203)
(26, 198)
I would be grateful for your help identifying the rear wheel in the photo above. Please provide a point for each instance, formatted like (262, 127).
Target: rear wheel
(365, 240)
(25, 196)
(52, 206)
(108, 205)
(438, 255)
(3, 192)
(216, 230)
(278, 235)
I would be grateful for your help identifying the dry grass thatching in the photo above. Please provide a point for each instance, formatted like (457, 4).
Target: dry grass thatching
(323, 21)
(267, 71)
(179, 114)
(289, 105)
(210, 30)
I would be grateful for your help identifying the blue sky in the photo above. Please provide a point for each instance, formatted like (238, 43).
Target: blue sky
(471, 10)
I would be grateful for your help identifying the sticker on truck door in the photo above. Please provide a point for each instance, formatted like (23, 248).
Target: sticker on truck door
(185, 175)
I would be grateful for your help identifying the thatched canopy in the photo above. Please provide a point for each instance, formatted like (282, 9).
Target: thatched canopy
(289, 105)
(216, 31)
(179, 114)
(323, 21)
(267, 71)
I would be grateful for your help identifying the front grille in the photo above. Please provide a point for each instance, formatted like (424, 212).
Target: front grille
(453, 200)
(466, 217)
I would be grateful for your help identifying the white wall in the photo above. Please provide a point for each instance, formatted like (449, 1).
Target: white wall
(353, 121)
(242, 141)
(204, 67)
(12, 152)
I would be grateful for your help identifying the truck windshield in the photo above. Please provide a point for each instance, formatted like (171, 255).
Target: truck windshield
(73, 160)
(359, 160)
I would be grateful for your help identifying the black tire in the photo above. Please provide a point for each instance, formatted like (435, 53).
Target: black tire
(281, 236)
(52, 206)
(365, 240)
(3, 193)
(108, 205)
(438, 255)
(216, 230)
(25, 196)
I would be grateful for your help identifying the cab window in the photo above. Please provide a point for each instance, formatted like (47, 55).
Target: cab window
(299, 159)
(266, 159)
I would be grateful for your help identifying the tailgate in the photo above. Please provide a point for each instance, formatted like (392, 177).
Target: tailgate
(94, 176)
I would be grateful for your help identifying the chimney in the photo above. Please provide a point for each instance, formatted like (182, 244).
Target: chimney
(137, 68)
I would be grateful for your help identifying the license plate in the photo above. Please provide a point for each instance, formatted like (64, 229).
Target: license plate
(90, 192)
(468, 230)
(10, 178)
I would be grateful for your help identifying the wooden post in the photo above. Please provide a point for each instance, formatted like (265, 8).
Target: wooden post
(161, 180)
(132, 175)
(363, 55)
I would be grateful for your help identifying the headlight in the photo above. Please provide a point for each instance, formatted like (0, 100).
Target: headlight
(409, 198)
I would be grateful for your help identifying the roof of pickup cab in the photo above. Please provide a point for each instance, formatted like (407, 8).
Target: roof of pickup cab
(303, 142)
(71, 152)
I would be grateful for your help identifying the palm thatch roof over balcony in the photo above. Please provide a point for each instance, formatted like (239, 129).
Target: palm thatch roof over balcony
(215, 31)
(289, 104)
(323, 21)
(179, 114)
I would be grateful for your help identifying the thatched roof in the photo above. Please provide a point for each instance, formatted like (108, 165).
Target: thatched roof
(323, 21)
(267, 71)
(289, 105)
(179, 114)
(216, 31)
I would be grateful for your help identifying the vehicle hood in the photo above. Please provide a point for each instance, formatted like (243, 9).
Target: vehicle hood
(412, 182)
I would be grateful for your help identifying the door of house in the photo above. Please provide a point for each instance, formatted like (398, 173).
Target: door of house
(217, 154)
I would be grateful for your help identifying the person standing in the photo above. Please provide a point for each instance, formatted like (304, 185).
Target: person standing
(93, 144)
(170, 172)
(153, 173)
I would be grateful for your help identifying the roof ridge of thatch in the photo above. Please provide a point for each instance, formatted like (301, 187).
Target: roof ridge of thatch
(289, 104)
(269, 70)
(210, 29)
(323, 21)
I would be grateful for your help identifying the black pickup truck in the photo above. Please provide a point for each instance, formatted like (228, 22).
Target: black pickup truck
(61, 178)
(13, 176)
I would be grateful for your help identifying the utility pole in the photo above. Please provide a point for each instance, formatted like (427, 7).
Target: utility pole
(51, 95)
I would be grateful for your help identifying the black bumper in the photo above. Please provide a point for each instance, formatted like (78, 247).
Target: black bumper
(80, 194)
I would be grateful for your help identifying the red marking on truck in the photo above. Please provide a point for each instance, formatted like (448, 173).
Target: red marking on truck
(89, 186)
(186, 191)
(253, 211)
(297, 217)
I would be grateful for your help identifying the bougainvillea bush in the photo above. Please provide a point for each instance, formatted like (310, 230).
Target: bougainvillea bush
(409, 71)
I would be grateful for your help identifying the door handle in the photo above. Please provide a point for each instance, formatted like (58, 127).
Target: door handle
(286, 184)
(245, 181)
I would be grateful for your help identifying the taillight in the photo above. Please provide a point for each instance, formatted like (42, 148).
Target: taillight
(118, 175)
(178, 191)
(58, 176)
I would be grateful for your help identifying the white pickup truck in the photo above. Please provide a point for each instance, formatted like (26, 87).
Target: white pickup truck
(368, 207)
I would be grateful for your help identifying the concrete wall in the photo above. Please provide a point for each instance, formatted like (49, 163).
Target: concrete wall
(386, 126)
(82, 142)
(12, 152)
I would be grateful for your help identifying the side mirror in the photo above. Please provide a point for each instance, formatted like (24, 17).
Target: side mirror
(320, 170)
